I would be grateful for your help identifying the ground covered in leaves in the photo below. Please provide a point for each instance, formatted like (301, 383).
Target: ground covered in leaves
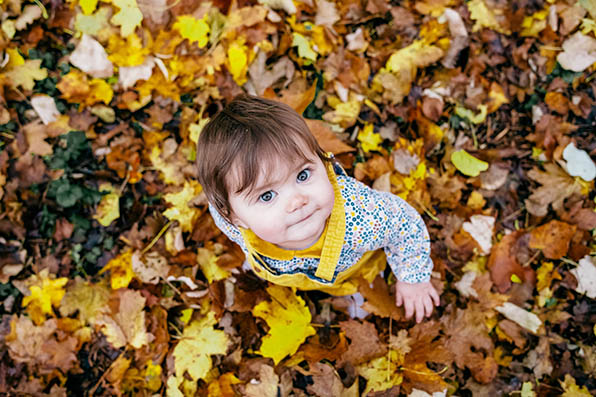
(115, 281)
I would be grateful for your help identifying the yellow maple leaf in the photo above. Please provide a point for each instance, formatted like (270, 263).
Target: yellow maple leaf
(128, 51)
(382, 373)
(93, 24)
(26, 74)
(89, 300)
(534, 24)
(289, 323)
(128, 17)
(120, 269)
(208, 262)
(198, 342)
(572, 389)
(484, 17)
(46, 291)
(193, 29)
(237, 61)
(88, 6)
(369, 139)
(180, 211)
(109, 207)
(304, 49)
(344, 113)
(101, 91)
(127, 326)
(170, 173)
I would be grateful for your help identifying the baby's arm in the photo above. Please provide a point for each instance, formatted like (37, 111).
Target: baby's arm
(408, 253)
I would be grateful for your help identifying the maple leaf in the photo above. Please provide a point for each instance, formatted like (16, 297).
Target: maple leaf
(193, 29)
(127, 326)
(365, 344)
(127, 51)
(382, 373)
(94, 24)
(45, 292)
(572, 389)
(484, 17)
(470, 344)
(120, 269)
(150, 268)
(557, 185)
(369, 139)
(325, 381)
(289, 323)
(88, 299)
(197, 343)
(26, 74)
(39, 345)
(88, 6)
(207, 260)
(379, 301)
(180, 210)
(238, 57)
(128, 17)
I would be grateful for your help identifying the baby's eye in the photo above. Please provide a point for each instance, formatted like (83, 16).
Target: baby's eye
(303, 175)
(267, 196)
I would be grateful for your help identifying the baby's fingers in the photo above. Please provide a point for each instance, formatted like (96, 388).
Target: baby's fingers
(409, 307)
(419, 310)
(435, 297)
(428, 307)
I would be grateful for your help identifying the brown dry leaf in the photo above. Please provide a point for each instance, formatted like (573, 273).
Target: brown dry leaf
(364, 342)
(127, 325)
(469, 342)
(379, 299)
(327, 138)
(552, 238)
(326, 381)
(503, 263)
(557, 185)
(425, 347)
(36, 134)
(298, 95)
(557, 102)
(265, 386)
(314, 351)
(39, 346)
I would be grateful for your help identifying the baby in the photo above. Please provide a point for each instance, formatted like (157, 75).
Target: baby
(300, 220)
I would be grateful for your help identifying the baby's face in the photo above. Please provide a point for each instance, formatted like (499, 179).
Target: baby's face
(288, 206)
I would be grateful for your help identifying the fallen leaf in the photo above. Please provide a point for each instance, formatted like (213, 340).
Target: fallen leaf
(180, 210)
(572, 389)
(364, 342)
(88, 300)
(90, 56)
(127, 325)
(382, 373)
(468, 164)
(369, 139)
(327, 138)
(585, 274)
(26, 74)
(289, 323)
(45, 107)
(45, 292)
(523, 318)
(128, 17)
(503, 263)
(481, 228)
(557, 185)
(120, 269)
(379, 301)
(579, 52)
(198, 342)
(579, 163)
(108, 209)
(552, 238)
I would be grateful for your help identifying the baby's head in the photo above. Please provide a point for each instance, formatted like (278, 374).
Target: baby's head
(247, 153)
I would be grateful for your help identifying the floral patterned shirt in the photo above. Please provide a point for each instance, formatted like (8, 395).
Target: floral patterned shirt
(374, 220)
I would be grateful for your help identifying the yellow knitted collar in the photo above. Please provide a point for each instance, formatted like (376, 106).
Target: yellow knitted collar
(328, 247)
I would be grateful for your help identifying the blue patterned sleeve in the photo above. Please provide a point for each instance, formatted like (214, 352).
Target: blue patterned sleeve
(407, 242)
(227, 228)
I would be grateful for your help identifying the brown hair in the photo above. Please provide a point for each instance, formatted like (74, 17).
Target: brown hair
(249, 132)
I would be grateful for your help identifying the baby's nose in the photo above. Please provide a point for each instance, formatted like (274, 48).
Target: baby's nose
(297, 201)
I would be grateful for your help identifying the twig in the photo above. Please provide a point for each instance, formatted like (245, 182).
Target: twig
(161, 232)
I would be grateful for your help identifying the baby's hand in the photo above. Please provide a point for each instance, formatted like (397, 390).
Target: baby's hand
(418, 298)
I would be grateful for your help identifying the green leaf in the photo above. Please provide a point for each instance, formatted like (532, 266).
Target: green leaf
(468, 164)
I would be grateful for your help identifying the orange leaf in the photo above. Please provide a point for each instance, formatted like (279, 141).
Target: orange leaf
(552, 238)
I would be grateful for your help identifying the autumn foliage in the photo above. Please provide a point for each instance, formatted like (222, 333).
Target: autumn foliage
(115, 281)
